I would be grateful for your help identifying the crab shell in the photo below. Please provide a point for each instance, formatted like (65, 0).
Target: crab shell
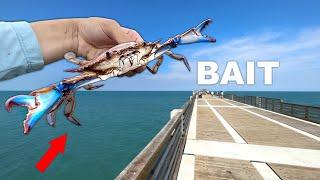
(123, 58)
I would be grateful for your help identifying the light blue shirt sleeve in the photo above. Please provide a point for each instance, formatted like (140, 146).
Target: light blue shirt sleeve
(20, 51)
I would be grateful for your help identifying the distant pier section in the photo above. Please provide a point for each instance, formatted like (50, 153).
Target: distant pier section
(232, 137)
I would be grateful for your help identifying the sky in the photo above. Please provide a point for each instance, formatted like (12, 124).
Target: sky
(286, 31)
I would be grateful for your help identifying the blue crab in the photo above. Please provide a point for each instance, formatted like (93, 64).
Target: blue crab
(112, 63)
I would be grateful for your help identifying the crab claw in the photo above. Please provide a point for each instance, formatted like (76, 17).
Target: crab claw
(195, 35)
(20, 100)
(26, 101)
(37, 106)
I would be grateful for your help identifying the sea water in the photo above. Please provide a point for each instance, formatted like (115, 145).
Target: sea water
(116, 126)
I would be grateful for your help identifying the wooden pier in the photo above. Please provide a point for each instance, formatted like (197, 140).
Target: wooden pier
(216, 138)
(231, 140)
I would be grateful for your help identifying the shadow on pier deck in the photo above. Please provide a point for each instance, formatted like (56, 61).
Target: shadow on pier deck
(225, 139)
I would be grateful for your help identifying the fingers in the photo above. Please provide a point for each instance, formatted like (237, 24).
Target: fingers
(117, 33)
(113, 30)
(133, 35)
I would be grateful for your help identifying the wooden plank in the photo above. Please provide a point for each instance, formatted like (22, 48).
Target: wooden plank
(256, 130)
(252, 152)
(216, 102)
(308, 112)
(219, 101)
(209, 127)
(295, 172)
(236, 103)
(221, 168)
(201, 102)
(304, 126)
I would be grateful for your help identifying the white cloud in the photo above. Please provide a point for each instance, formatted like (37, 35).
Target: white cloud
(282, 45)
(297, 51)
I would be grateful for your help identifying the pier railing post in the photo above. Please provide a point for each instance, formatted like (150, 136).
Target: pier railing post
(272, 104)
(309, 113)
(173, 113)
(306, 113)
(161, 157)
(182, 125)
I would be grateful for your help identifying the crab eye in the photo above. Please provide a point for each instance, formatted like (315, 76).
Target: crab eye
(108, 55)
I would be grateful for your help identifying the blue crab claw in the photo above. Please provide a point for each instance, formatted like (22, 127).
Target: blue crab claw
(37, 105)
(195, 35)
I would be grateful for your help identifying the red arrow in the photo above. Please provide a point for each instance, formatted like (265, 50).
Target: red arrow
(57, 146)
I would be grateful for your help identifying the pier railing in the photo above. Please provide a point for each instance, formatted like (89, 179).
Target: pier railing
(309, 113)
(160, 159)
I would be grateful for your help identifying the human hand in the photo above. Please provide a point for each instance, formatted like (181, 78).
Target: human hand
(96, 35)
(87, 37)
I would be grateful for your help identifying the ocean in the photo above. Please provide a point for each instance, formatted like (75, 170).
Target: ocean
(116, 126)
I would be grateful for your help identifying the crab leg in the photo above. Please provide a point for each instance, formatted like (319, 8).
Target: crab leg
(155, 67)
(81, 77)
(104, 77)
(179, 57)
(56, 106)
(90, 87)
(71, 56)
(42, 90)
(69, 109)
(51, 116)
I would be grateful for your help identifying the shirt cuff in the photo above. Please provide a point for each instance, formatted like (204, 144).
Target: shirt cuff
(29, 46)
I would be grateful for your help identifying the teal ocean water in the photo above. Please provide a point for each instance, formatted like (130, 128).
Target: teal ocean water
(115, 128)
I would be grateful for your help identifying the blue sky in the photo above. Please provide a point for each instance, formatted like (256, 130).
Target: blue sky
(287, 31)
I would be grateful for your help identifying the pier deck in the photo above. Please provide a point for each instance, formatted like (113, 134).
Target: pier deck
(231, 140)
